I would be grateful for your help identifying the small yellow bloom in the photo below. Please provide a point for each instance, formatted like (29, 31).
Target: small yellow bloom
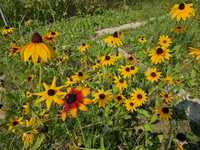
(152, 74)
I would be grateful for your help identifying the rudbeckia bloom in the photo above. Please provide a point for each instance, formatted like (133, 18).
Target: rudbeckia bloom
(166, 97)
(74, 99)
(115, 40)
(107, 60)
(120, 83)
(182, 11)
(28, 138)
(6, 31)
(164, 112)
(83, 47)
(128, 71)
(14, 123)
(119, 98)
(152, 74)
(195, 52)
(51, 36)
(38, 50)
(168, 80)
(79, 77)
(139, 97)
(14, 48)
(142, 40)
(102, 97)
(51, 93)
(165, 41)
(159, 55)
(130, 105)
(179, 29)
(132, 59)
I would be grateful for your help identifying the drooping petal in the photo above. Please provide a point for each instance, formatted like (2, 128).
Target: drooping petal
(83, 107)
(74, 112)
(64, 116)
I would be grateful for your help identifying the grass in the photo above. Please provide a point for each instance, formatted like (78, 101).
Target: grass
(111, 127)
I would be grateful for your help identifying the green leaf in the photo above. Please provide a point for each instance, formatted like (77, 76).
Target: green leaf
(148, 127)
(39, 141)
(144, 112)
(153, 118)
(102, 147)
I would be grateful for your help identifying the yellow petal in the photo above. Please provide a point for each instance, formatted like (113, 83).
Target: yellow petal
(59, 101)
(87, 101)
(74, 112)
(83, 107)
(86, 91)
(48, 103)
(64, 116)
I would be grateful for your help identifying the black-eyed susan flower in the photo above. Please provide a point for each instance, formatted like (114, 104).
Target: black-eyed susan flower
(132, 59)
(195, 52)
(107, 60)
(119, 98)
(74, 99)
(182, 11)
(168, 80)
(163, 112)
(128, 71)
(62, 59)
(159, 54)
(142, 40)
(70, 81)
(130, 105)
(179, 29)
(84, 47)
(7, 30)
(152, 74)
(139, 97)
(14, 48)
(26, 108)
(165, 41)
(120, 83)
(37, 50)
(167, 97)
(79, 77)
(102, 97)
(14, 123)
(115, 40)
(51, 36)
(97, 65)
(51, 94)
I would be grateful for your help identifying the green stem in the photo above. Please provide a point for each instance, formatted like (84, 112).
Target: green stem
(81, 129)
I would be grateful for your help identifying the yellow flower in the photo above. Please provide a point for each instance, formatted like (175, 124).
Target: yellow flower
(152, 74)
(74, 99)
(179, 29)
(51, 36)
(165, 41)
(168, 80)
(159, 55)
(182, 11)
(142, 40)
(139, 97)
(130, 105)
(26, 108)
(14, 48)
(120, 83)
(79, 77)
(115, 40)
(51, 93)
(97, 65)
(14, 123)
(6, 31)
(128, 71)
(102, 97)
(83, 47)
(166, 97)
(195, 52)
(164, 112)
(37, 50)
(28, 138)
(119, 98)
(107, 60)
(132, 59)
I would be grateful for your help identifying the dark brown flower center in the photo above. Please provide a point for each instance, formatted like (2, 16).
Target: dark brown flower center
(131, 104)
(121, 80)
(83, 44)
(53, 33)
(36, 38)
(70, 98)
(159, 51)
(16, 122)
(153, 74)
(130, 58)
(119, 98)
(165, 110)
(181, 137)
(166, 96)
(164, 41)
(7, 27)
(181, 6)
(80, 74)
(139, 96)
(115, 34)
(1, 105)
(127, 69)
(132, 68)
(102, 96)
(51, 92)
(107, 57)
